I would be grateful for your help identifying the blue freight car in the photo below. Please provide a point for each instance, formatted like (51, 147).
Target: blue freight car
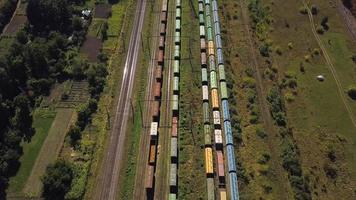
(225, 108)
(234, 192)
(231, 165)
(218, 42)
(228, 133)
(219, 52)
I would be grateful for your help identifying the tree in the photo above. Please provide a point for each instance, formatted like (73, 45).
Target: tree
(22, 121)
(352, 91)
(47, 15)
(57, 180)
(74, 135)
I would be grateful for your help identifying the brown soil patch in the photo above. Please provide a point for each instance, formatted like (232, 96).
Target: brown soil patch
(91, 48)
(16, 23)
(102, 11)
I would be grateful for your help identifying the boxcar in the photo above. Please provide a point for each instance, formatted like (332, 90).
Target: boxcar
(205, 92)
(174, 147)
(216, 118)
(157, 90)
(218, 43)
(173, 175)
(211, 48)
(172, 196)
(213, 80)
(203, 59)
(226, 110)
(206, 115)
(164, 6)
(160, 57)
(176, 51)
(178, 3)
(212, 63)
(214, 99)
(209, 34)
(178, 13)
(154, 129)
(175, 103)
(202, 44)
(223, 90)
(234, 188)
(162, 29)
(208, 160)
(163, 17)
(222, 76)
(217, 28)
(228, 133)
(220, 164)
(223, 194)
(202, 31)
(211, 191)
(231, 158)
(176, 85)
(219, 52)
(214, 6)
(201, 8)
(152, 157)
(174, 129)
(177, 37)
(176, 67)
(201, 19)
(177, 24)
(218, 138)
(161, 42)
(204, 76)
(155, 110)
(158, 73)
(149, 177)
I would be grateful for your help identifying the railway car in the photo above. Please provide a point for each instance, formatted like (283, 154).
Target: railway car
(216, 118)
(178, 11)
(149, 182)
(155, 110)
(164, 6)
(176, 67)
(176, 85)
(215, 17)
(154, 129)
(201, 8)
(202, 45)
(152, 156)
(207, 10)
(220, 55)
(223, 194)
(209, 33)
(178, 3)
(209, 161)
(217, 28)
(202, 31)
(226, 110)
(178, 25)
(207, 136)
(161, 42)
(223, 90)
(228, 133)
(206, 118)
(157, 90)
(174, 130)
(215, 99)
(213, 80)
(204, 76)
(175, 104)
(173, 175)
(160, 58)
(162, 29)
(176, 52)
(205, 93)
(210, 188)
(214, 6)
(220, 166)
(158, 73)
(177, 37)
(211, 48)
(174, 149)
(203, 59)
(201, 19)
(212, 63)
(234, 188)
(172, 196)
(222, 76)
(163, 17)
(218, 43)
(207, 2)
(175, 119)
(201, 1)
(208, 22)
(231, 164)
(218, 139)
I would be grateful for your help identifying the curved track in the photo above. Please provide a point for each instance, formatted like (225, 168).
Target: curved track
(107, 185)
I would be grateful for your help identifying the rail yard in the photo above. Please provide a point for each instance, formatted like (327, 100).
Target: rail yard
(177, 99)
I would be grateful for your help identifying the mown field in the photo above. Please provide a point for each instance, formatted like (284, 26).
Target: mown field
(317, 133)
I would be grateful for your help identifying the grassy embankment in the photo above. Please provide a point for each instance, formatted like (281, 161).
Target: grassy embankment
(318, 128)
(191, 172)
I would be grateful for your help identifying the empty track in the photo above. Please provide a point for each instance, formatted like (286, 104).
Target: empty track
(107, 185)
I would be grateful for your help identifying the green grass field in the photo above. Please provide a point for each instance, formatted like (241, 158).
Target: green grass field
(42, 123)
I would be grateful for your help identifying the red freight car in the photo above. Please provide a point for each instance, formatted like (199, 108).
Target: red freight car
(161, 42)
(221, 169)
(160, 57)
(155, 110)
(202, 45)
(158, 73)
(149, 178)
(203, 59)
(162, 29)
(157, 90)
(174, 129)
(163, 17)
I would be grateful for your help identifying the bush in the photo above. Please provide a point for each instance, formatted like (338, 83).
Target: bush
(264, 158)
(248, 82)
(320, 30)
(314, 9)
(351, 91)
(57, 180)
(260, 133)
(74, 135)
(264, 50)
(278, 50)
(290, 45)
(289, 97)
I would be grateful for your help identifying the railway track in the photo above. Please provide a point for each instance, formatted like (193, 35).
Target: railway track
(139, 189)
(106, 188)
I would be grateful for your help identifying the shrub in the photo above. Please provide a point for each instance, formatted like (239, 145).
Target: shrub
(320, 30)
(303, 10)
(351, 91)
(264, 158)
(264, 50)
(314, 9)
(290, 45)
(248, 82)
(316, 51)
(289, 97)
(74, 135)
(278, 50)
(307, 58)
(260, 133)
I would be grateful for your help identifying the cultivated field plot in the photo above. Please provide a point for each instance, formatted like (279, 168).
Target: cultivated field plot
(102, 11)
(91, 48)
(73, 94)
(49, 151)
(15, 25)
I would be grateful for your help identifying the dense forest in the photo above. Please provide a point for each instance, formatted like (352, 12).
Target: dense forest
(41, 55)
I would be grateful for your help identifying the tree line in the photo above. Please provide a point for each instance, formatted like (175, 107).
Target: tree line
(43, 52)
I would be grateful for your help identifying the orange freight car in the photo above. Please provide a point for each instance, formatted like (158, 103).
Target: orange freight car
(208, 160)
(215, 98)
(155, 110)
(152, 158)
(211, 48)
(158, 73)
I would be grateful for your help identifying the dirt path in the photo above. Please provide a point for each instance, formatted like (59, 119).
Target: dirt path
(12, 17)
(330, 66)
(267, 120)
(349, 19)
